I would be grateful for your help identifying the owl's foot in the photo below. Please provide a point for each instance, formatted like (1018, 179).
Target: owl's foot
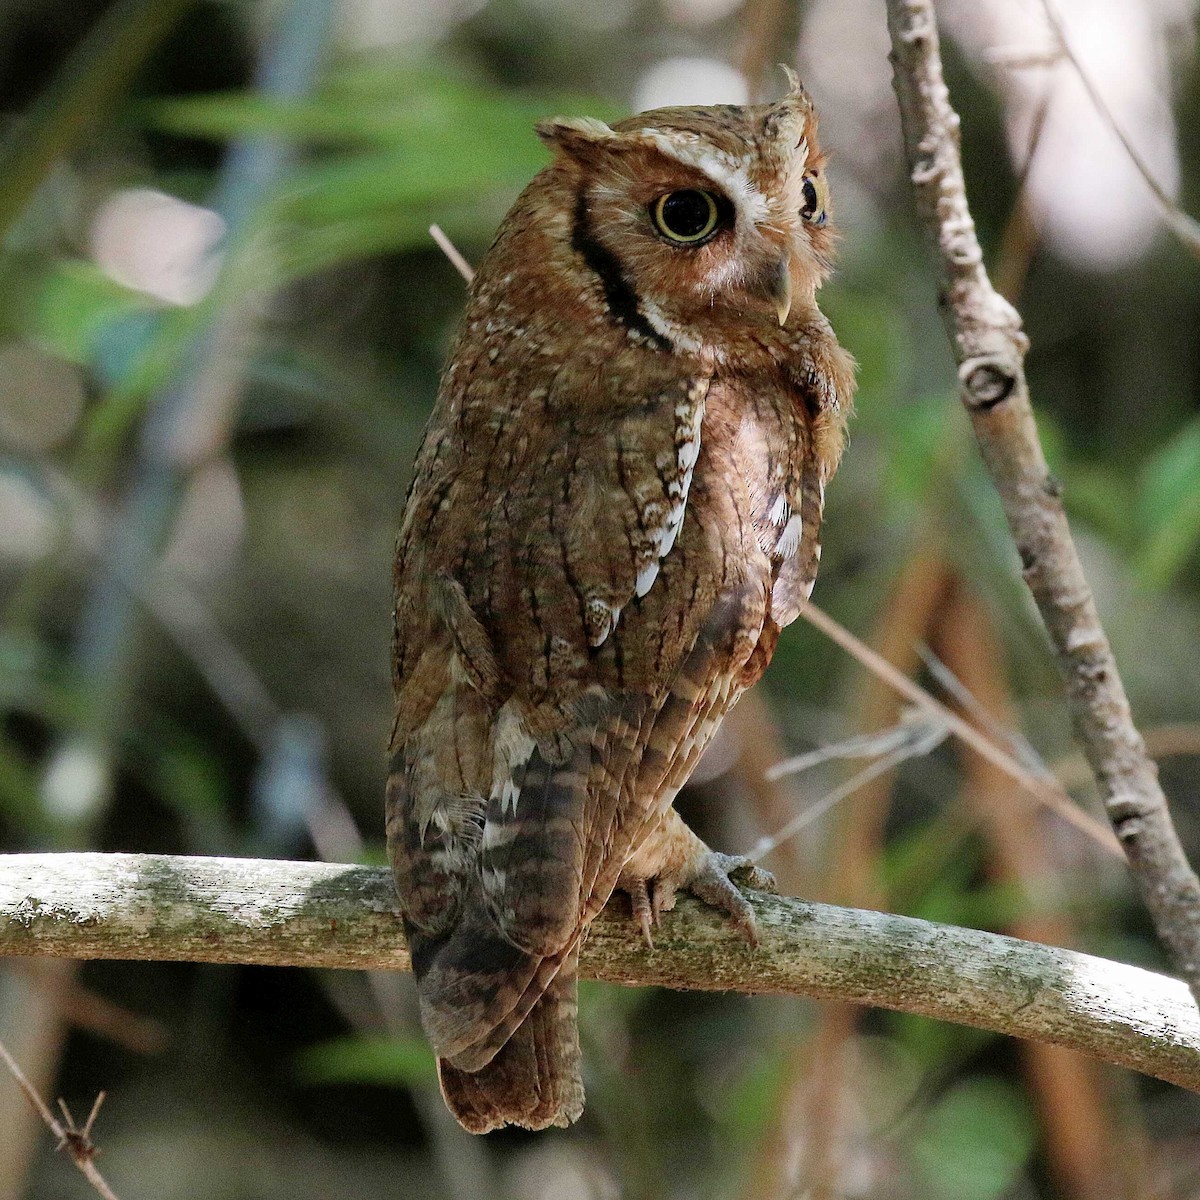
(674, 859)
(714, 884)
(646, 903)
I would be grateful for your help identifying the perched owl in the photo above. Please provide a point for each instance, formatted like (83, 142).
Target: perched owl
(616, 508)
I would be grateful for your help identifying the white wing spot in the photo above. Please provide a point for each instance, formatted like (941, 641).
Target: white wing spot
(671, 531)
(646, 578)
(509, 795)
(512, 747)
(602, 619)
(779, 511)
(789, 539)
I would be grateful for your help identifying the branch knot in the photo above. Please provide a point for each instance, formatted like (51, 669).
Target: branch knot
(986, 382)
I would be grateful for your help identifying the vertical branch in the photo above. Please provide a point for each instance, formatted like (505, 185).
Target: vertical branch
(194, 411)
(990, 347)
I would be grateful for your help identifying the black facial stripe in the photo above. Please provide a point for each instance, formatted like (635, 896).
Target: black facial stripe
(618, 295)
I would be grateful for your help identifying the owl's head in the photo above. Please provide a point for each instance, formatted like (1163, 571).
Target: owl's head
(702, 214)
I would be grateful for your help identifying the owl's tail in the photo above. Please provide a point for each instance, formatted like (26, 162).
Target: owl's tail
(535, 1079)
(503, 1024)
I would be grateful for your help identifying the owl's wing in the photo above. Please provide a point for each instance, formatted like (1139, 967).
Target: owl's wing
(534, 520)
(796, 547)
(817, 384)
(590, 535)
(520, 732)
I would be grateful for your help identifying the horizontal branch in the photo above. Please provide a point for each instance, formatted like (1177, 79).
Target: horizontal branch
(275, 913)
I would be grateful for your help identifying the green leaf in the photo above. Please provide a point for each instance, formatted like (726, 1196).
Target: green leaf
(392, 105)
(71, 307)
(974, 1142)
(1168, 508)
(386, 1061)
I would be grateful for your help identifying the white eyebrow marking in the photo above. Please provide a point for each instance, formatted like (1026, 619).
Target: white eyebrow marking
(723, 169)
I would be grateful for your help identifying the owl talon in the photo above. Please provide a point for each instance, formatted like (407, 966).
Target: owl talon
(644, 909)
(714, 884)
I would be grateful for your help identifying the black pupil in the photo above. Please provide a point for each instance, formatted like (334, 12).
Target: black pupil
(686, 214)
(810, 198)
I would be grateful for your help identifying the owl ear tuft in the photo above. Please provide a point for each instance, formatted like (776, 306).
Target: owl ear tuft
(795, 87)
(580, 138)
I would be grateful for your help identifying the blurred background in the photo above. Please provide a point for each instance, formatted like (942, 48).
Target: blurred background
(222, 320)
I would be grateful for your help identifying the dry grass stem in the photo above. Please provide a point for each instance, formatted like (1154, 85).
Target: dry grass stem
(1042, 790)
(910, 739)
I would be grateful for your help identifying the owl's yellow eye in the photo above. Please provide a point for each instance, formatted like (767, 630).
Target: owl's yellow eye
(688, 217)
(815, 193)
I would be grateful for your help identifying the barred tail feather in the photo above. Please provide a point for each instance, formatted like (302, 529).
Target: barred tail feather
(535, 1079)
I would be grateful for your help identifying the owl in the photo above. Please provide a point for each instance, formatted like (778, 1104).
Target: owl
(616, 508)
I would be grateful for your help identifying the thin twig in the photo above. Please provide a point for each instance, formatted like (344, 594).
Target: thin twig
(990, 347)
(950, 683)
(451, 251)
(75, 1141)
(913, 726)
(1185, 227)
(922, 739)
(1041, 790)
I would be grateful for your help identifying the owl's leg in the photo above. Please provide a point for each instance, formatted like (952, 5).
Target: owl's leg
(673, 858)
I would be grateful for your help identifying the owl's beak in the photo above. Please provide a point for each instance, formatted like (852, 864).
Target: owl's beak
(781, 290)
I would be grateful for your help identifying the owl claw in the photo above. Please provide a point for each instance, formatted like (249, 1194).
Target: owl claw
(649, 899)
(712, 881)
(714, 884)
(643, 909)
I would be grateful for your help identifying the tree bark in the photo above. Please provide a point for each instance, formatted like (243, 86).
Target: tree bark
(990, 346)
(132, 906)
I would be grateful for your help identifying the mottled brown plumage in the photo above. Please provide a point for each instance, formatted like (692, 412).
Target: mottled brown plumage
(616, 508)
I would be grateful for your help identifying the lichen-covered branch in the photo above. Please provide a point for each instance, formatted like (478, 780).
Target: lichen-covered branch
(990, 348)
(322, 915)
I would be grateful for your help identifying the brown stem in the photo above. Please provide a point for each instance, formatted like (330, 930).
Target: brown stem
(1088, 1152)
(990, 347)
